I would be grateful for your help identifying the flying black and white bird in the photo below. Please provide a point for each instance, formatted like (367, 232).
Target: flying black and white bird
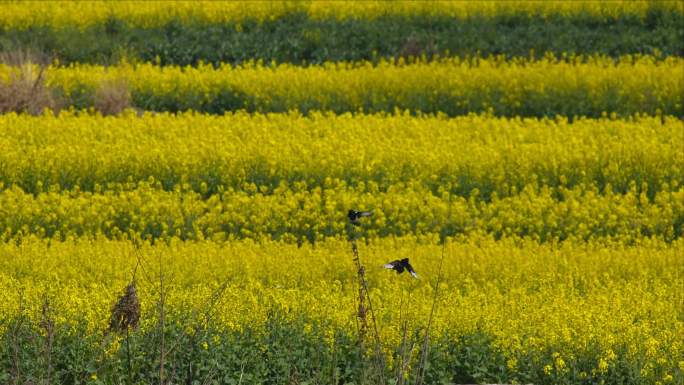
(399, 265)
(355, 216)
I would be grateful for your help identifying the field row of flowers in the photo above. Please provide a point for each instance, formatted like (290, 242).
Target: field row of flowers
(468, 155)
(585, 86)
(574, 312)
(301, 215)
(527, 157)
(156, 13)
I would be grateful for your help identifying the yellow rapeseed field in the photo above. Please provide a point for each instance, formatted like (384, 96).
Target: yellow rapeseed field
(283, 176)
(600, 303)
(197, 224)
(22, 15)
(575, 85)
(476, 151)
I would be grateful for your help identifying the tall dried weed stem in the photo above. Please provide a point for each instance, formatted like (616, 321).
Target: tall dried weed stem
(363, 311)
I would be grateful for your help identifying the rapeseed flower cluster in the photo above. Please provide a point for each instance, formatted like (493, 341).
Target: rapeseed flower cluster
(522, 293)
(573, 85)
(474, 155)
(157, 13)
(76, 174)
(552, 187)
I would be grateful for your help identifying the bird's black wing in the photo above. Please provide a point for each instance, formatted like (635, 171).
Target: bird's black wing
(394, 265)
(410, 270)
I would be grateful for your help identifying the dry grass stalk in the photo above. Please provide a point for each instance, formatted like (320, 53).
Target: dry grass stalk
(126, 312)
(112, 97)
(411, 48)
(162, 325)
(402, 355)
(47, 323)
(414, 48)
(16, 343)
(25, 90)
(425, 350)
(406, 349)
(333, 368)
(363, 310)
(407, 356)
(18, 58)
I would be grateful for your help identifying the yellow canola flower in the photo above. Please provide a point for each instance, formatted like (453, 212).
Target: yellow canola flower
(454, 86)
(290, 151)
(510, 289)
(78, 174)
(148, 212)
(149, 14)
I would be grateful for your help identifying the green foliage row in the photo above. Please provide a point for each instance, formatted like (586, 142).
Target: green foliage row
(316, 41)
(284, 352)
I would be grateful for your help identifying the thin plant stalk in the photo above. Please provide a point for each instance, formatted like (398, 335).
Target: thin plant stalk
(405, 352)
(161, 321)
(128, 356)
(365, 294)
(48, 325)
(334, 360)
(16, 345)
(424, 352)
(402, 349)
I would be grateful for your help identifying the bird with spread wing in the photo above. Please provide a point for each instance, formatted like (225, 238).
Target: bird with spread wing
(355, 216)
(400, 265)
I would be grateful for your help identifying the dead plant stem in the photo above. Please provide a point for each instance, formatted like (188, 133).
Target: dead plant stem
(424, 352)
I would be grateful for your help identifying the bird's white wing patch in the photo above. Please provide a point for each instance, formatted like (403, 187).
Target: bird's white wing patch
(413, 273)
(388, 266)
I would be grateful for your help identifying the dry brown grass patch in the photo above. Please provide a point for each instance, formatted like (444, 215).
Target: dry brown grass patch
(25, 90)
(112, 97)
